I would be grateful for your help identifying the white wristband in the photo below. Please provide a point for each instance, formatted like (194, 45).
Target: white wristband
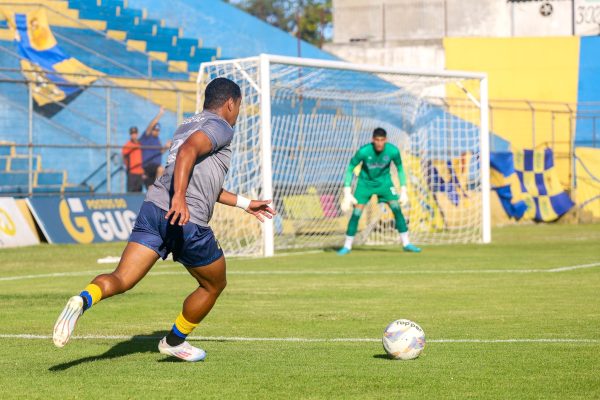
(242, 202)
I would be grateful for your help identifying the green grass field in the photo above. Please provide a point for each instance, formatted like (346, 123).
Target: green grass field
(471, 301)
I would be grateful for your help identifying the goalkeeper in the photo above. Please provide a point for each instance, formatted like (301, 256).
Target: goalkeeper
(375, 179)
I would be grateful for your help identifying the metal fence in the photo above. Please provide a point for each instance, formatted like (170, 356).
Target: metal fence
(83, 138)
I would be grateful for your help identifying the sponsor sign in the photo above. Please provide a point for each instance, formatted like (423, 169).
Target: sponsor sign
(14, 230)
(86, 219)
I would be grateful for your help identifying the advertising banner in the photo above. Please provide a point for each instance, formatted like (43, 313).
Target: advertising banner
(86, 219)
(14, 230)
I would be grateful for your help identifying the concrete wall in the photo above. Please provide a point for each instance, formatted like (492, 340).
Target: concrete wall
(393, 20)
(427, 54)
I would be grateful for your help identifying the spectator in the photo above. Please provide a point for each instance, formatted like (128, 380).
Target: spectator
(132, 158)
(152, 149)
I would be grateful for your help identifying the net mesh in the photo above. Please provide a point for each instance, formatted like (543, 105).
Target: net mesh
(319, 119)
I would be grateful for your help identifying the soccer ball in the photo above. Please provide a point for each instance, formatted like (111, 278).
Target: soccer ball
(403, 340)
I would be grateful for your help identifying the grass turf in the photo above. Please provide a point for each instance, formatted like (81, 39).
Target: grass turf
(320, 296)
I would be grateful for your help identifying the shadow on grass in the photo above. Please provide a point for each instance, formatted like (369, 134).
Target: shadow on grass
(137, 344)
(383, 356)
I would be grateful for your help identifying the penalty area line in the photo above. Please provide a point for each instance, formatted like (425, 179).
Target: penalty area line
(294, 339)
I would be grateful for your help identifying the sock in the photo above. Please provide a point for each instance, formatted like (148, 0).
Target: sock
(181, 328)
(353, 223)
(405, 239)
(91, 295)
(400, 221)
(348, 242)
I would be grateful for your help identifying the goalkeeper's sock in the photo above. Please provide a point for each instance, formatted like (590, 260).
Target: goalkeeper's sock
(399, 217)
(353, 223)
(181, 328)
(348, 242)
(90, 295)
(405, 239)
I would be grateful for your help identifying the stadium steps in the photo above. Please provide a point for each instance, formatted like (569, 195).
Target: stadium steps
(88, 41)
(133, 27)
(14, 175)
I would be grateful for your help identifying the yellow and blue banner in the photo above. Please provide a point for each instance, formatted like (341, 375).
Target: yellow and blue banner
(58, 77)
(451, 177)
(528, 185)
(86, 219)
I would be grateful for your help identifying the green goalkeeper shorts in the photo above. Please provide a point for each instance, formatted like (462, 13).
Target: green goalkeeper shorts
(385, 193)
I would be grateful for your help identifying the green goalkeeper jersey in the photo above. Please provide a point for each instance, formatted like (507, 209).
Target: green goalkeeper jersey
(375, 169)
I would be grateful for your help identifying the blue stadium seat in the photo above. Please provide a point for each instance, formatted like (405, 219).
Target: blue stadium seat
(167, 31)
(21, 163)
(47, 189)
(3, 163)
(14, 179)
(44, 178)
(131, 12)
(7, 149)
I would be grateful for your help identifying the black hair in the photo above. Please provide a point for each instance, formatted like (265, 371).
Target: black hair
(379, 132)
(218, 91)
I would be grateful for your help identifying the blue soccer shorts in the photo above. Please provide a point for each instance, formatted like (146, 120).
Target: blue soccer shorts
(192, 245)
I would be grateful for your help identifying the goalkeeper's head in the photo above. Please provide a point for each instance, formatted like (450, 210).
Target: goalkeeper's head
(379, 139)
(223, 97)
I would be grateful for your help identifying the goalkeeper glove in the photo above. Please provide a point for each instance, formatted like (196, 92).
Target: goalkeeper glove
(348, 201)
(403, 196)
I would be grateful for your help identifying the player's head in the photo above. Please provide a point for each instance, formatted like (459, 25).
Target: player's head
(133, 134)
(223, 96)
(379, 139)
(156, 129)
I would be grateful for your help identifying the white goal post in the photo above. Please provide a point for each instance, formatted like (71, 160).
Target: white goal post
(300, 122)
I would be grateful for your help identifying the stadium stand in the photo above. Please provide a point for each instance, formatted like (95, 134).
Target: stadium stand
(139, 47)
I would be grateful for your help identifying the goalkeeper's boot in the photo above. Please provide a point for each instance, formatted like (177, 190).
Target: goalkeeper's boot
(343, 251)
(411, 248)
(65, 324)
(184, 351)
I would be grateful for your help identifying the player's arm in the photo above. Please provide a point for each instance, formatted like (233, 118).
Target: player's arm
(196, 145)
(349, 200)
(401, 178)
(354, 161)
(258, 208)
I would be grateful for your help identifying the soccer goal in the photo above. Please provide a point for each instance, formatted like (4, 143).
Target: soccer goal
(302, 120)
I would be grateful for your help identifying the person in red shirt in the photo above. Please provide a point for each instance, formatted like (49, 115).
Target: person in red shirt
(132, 158)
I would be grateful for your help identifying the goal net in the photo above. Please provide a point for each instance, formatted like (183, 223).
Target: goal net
(302, 120)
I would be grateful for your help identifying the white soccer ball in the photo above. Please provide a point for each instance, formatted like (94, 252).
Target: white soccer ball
(403, 340)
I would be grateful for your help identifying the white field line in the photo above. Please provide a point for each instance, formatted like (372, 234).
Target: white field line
(317, 272)
(295, 339)
(116, 259)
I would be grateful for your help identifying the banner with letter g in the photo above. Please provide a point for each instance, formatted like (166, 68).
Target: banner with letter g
(86, 219)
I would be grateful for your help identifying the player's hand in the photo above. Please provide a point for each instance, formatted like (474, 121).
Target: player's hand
(403, 196)
(178, 213)
(348, 201)
(260, 209)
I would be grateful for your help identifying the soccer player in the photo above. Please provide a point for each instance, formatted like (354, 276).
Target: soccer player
(375, 180)
(152, 149)
(174, 219)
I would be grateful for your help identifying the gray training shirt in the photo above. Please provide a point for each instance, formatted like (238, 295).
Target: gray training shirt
(208, 173)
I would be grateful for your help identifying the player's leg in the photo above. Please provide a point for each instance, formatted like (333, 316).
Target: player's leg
(402, 228)
(353, 226)
(135, 263)
(211, 282)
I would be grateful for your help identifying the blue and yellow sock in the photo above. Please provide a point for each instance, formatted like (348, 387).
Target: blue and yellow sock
(91, 295)
(181, 328)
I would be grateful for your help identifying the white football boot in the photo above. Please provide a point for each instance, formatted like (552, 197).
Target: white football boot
(65, 324)
(185, 351)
